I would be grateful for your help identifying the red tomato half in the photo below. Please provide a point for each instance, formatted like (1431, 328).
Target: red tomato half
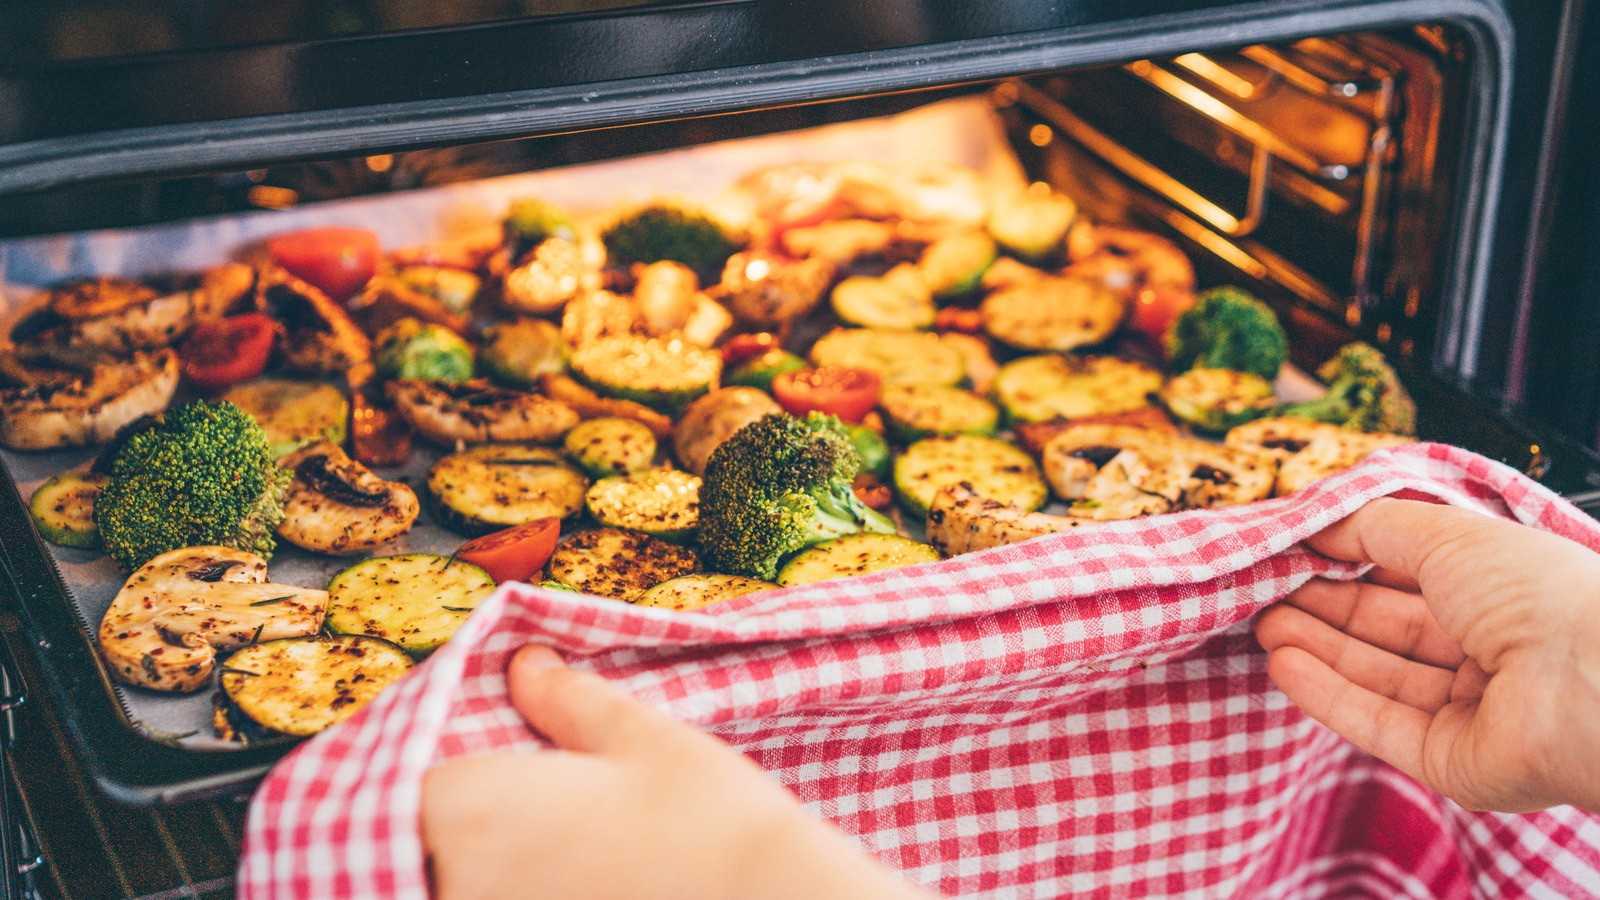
(338, 261)
(1156, 308)
(513, 554)
(227, 351)
(744, 347)
(847, 393)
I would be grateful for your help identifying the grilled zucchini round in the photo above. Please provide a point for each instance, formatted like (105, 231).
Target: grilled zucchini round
(415, 600)
(852, 555)
(994, 468)
(617, 563)
(493, 486)
(62, 509)
(300, 686)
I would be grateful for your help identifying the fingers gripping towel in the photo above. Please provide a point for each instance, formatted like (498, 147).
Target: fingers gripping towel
(1085, 714)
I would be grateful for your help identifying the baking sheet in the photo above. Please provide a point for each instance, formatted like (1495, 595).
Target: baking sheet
(962, 132)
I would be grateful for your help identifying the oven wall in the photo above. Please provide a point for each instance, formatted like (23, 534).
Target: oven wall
(1553, 365)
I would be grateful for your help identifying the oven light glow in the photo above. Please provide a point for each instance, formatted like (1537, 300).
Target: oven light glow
(757, 269)
(383, 162)
(266, 196)
(1040, 135)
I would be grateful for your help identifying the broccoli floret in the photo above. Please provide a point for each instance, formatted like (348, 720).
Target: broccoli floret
(412, 348)
(530, 221)
(1364, 393)
(777, 486)
(1227, 328)
(198, 474)
(656, 233)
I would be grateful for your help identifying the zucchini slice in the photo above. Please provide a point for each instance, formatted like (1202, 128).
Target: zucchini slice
(701, 589)
(899, 299)
(617, 563)
(63, 509)
(1058, 313)
(663, 503)
(1033, 224)
(1054, 386)
(611, 445)
(493, 486)
(294, 413)
(662, 373)
(852, 555)
(519, 352)
(415, 600)
(953, 266)
(900, 357)
(995, 469)
(1218, 399)
(300, 686)
(916, 411)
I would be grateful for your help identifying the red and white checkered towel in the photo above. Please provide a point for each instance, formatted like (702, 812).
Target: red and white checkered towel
(1086, 714)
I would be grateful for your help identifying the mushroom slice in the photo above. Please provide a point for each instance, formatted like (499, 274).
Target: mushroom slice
(960, 520)
(1228, 476)
(1072, 457)
(336, 505)
(476, 412)
(177, 611)
(319, 337)
(767, 291)
(1308, 449)
(1133, 483)
(48, 409)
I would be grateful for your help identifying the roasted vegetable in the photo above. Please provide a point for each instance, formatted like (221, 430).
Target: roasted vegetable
(518, 352)
(853, 555)
(530, 220)
(663, 503)
(660, 373)
(300, 686)
(617, 563)
(63, 509)
(1364, 393)
(1218, 399)
(412, 348)
(660, 232)
(438, 594)
(198, 474)
(777, 486)
(1227, 328)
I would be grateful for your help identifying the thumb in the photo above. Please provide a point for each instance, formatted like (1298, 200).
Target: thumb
(578, 711)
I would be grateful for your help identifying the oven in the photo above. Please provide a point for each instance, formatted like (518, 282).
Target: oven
(1410, 173)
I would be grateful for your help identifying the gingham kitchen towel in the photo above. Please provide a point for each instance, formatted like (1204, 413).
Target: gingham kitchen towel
(1081, 715)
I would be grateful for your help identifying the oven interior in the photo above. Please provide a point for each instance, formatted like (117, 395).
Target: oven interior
(1340, 177)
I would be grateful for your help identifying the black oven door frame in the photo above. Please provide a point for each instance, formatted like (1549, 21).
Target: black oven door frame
(73, 124)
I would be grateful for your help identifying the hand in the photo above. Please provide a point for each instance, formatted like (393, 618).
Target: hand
(1469, 658)
(631, 804)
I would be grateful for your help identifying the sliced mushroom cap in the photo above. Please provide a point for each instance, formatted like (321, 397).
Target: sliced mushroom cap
(59, 409)
(319, 337)
(476, 411)
(337, 505)
(960, 520)
(177, 611)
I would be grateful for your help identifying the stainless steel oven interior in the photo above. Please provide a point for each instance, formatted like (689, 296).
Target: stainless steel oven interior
(1364, 167)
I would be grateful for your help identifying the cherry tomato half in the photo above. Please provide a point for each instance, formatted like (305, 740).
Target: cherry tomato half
(847, 393)
(1156, 307)
(745, 347)
(227, 351)
(337, 260)
(513, 554)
